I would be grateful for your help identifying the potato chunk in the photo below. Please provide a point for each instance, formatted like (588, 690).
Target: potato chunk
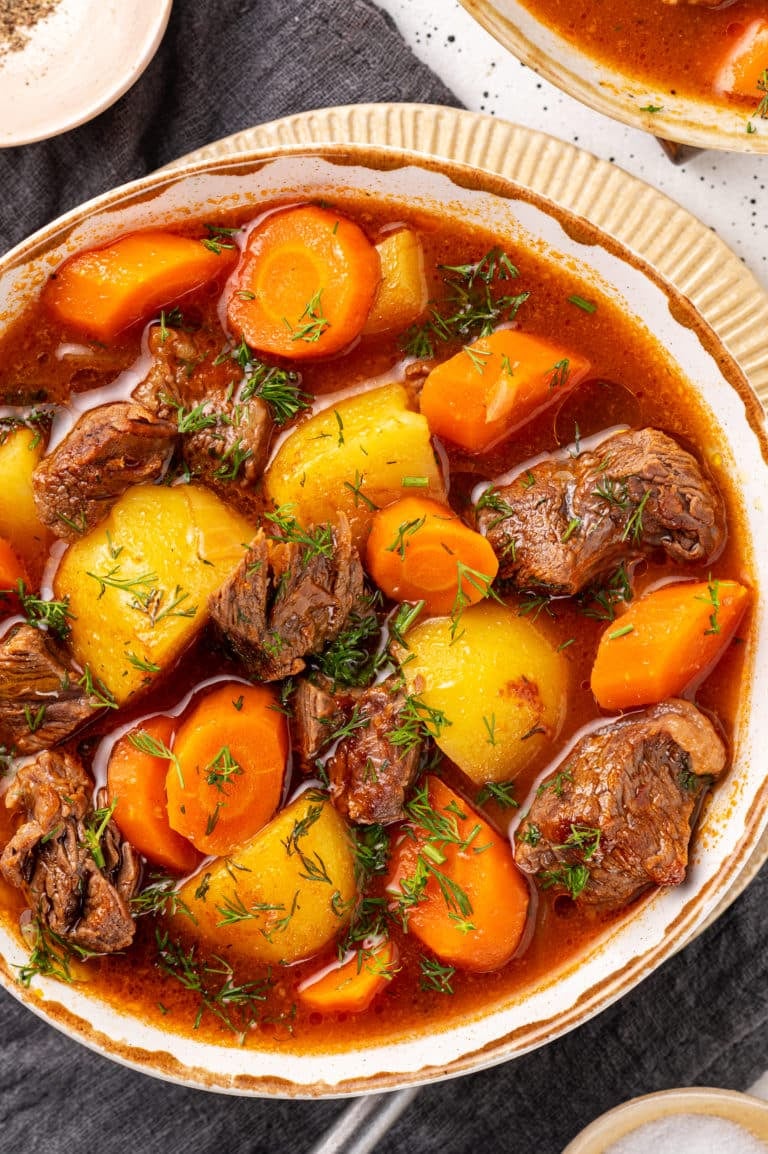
(20, 454)
(285, 894)
(403, 293)
(365, 452)
(501, 685)
(138, 585)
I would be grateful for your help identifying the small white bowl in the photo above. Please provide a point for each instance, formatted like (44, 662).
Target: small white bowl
(742, 1109)
(76, 63)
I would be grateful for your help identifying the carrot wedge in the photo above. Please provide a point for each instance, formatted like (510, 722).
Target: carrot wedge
(136, 785)
(12, 571)
(744, 71)
(306, 284)
(227, 776)
(419, 550)
(665, 641)
(352, 985)
(105, 290)
(454, 881)
(493, 386)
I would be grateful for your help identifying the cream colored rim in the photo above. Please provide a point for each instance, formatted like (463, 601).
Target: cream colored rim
(681, 248)
(609, 95)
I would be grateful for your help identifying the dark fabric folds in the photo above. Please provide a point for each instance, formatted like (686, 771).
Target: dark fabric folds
(223, 66)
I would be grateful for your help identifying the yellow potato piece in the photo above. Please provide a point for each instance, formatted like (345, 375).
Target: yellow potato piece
(20, 454)
(501, 684)
(403, 292)
(361, 454)
(284, 895)
(160, 553)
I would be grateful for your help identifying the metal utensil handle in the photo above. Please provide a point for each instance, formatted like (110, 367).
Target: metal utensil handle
(358, 1129)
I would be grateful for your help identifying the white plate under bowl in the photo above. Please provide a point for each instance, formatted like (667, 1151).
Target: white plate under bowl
(737, 815)
(76, 62)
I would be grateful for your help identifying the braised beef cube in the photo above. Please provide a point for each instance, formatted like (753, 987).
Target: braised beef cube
(615, 817)
(566, 523)
(111, 448)
(369, 773)
(316, 711)
(224, 442)
(52, 857)
(42, 702)
(288, 601)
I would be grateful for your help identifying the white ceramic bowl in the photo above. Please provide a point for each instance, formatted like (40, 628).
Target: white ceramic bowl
(729, 1105)
(688, 120)
(76, 62)
(734, 821)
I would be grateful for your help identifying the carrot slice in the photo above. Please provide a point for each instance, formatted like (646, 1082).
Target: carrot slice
(351, 986)
(104, 290)
(230, 763)
(496, 384)
(744, 71)
(665, 641)
(306, 284)
(419, 549)
(12, 570)
(473, 909)
(136, 784)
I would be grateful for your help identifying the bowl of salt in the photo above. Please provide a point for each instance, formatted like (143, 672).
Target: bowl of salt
(697, 1120)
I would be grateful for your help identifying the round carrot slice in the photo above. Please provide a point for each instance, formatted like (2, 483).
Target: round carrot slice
(306, 284)
(227, 778)
(419, 550)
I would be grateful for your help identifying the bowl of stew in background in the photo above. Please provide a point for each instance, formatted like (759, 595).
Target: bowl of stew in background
(299, 806)
(685, 71)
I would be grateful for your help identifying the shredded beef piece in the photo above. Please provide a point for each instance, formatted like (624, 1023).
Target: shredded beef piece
(110, 449)
(35, 676)
(569, 522)
(48, 858)
(315, 712)
(286, 602)
(232, 448)
(369, 775)
(620, 806)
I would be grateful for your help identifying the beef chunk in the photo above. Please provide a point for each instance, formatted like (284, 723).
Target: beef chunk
(565, 524)
(41, 702)
(615, 817)
(315, 712)
(51, 861)
(288, 601)
(110, 448)
(369, 775)
(224, 443)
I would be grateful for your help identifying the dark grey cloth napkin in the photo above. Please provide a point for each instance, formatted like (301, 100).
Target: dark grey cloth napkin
(224, 65)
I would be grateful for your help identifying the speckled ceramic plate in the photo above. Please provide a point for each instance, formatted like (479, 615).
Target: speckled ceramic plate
(689, 120)
(737, 816)
(690, 255)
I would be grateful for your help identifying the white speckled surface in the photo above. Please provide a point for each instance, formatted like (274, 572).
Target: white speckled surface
(725, 190)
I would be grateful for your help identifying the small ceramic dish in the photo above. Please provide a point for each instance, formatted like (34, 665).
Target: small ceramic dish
(74, 64)
(606, 88)
(733, 824)
(729, 1105)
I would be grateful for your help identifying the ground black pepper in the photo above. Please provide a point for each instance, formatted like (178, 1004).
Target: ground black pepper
(17, 17)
